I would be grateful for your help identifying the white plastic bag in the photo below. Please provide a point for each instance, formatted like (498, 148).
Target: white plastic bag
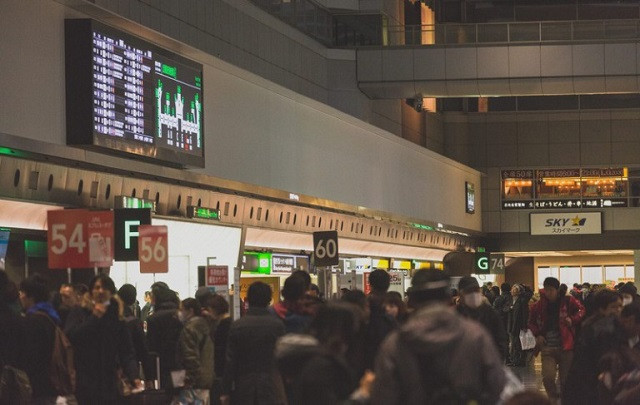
(527, 340)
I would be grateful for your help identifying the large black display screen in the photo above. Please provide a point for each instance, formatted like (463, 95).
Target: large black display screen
(130, 96)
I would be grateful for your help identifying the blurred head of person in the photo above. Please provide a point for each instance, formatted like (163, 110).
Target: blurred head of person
(306, 277)
(379, 280)
(259, 295)
(314, 291)
(102, 288)
(8, 290)
(295, 287)
(336, 326)
(505, 288)
(428, 287)
(394, 305)
(162, 295)
(516, 290)
(551, 287)
(189, 308)
(470, 295)
(608, 302)
(215, 307)
(127, 294)
(147, 296)
(495, 290)
(33, 290)
(562, 291)
(630, 319)
(359, 299)
(629, 293)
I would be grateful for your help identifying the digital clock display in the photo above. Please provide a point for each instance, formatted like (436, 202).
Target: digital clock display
(130, 96)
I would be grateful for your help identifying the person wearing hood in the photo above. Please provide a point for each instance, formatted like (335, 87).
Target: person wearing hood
(102, 344)
(472, 306)
(629, 293)
(437, 356)
(40, 322)
(195, 348)
(553, 321)
(163, 330)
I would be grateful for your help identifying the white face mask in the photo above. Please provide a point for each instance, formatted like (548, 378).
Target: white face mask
(626, 300)
(473, 300)
(181, 317)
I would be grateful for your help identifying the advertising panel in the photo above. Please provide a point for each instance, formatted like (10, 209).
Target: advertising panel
(566, 223)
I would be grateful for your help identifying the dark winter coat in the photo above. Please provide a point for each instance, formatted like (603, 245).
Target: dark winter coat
(436, 341)
(40, 332)
(379, 326)
(163, 331)
(250, 374)
(12, 338)
(519, 314)
(195, 353)
(502, 305)
(136, 330)
(220, 339)
(101, 346)
(487, 317)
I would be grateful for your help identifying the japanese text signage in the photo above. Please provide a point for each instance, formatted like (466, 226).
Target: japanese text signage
(153, 249)
(566, 223)
(217, 276)
(325, 248)
(126, 223)
(79, 238)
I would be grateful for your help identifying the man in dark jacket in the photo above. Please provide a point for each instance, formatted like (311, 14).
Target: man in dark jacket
(553, 321)
(502, 304)
(250, 375)
(163, 330)
(472, 306)
(39, 325)
(518, 319)
(437, 356)
(380, 323)
(127, 294)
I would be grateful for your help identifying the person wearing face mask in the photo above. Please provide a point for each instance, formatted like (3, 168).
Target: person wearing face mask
(195, 348)
(472, 305)
(629, 293)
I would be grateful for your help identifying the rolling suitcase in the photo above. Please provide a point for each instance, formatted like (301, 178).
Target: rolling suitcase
(154, 395)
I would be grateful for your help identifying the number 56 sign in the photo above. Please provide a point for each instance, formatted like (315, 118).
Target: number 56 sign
(153, 251)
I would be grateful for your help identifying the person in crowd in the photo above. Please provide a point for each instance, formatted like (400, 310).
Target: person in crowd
(69, 299)
(553, 321)
(502, 304)
(127, 294)
(163, 330)
(380, 323)
(39, 327)
(518, 319)
(437, 356)
(630, 319)
(12, 332)
(218, 306)
(629, 293)
(488, 293)
(291, 309)
(472, 306)
(395, 306)
(599, 334)
(576, 292)
(146, 309)
(314, 291)
(250, 374)
(102, 344)
(316, 367)
(195, 348)
(562, 291)
(496, 293)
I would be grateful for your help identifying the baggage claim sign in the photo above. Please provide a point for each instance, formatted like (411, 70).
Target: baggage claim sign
(566, 223)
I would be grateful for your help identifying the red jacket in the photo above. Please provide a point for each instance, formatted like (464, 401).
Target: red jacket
(569, 308)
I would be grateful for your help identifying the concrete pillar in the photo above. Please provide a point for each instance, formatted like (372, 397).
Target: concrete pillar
(636, 268)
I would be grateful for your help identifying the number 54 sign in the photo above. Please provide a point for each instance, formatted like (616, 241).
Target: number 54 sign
(153, 251)
(325, 248)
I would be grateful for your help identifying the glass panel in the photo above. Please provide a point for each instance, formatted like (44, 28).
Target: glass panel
(493, 33)
(630, 272)
(544, 272)
(592, 275)
(570, 275)
(613, 274)
(524, 32)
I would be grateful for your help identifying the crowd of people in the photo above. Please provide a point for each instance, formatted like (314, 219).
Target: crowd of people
(434, 346)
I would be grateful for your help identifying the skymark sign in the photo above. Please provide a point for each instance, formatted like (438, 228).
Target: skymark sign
(566, 223)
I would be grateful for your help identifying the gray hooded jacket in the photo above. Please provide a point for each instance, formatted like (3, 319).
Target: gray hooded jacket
(437, 356)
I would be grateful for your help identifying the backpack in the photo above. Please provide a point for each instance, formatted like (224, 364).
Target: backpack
(15, 387)
(63, 371)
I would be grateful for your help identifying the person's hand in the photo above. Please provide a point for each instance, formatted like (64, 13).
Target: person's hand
(225, 400)
(138, 386)
(569, 321)
(366, 382)
(540, 341)
(99, 310)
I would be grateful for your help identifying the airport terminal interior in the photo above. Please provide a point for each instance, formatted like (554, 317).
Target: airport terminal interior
(216, 143)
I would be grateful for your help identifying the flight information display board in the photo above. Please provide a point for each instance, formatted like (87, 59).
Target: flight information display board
(130, 96)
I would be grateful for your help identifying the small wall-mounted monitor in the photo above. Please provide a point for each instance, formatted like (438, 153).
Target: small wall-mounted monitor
(470, 197)
(128, 96)
(4, 244)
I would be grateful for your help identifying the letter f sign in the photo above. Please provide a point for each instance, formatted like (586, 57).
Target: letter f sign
(130, 233)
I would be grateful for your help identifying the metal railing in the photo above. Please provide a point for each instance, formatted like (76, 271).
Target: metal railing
(513, 32)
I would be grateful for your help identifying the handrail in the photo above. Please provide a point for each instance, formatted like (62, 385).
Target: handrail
(512, 32)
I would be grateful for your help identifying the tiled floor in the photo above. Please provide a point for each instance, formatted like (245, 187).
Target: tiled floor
(531, 375)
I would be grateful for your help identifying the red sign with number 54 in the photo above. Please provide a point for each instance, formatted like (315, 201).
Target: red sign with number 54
(66, 239)
(153, 249)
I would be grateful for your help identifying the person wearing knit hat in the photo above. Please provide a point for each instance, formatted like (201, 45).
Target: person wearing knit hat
(474, 305)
